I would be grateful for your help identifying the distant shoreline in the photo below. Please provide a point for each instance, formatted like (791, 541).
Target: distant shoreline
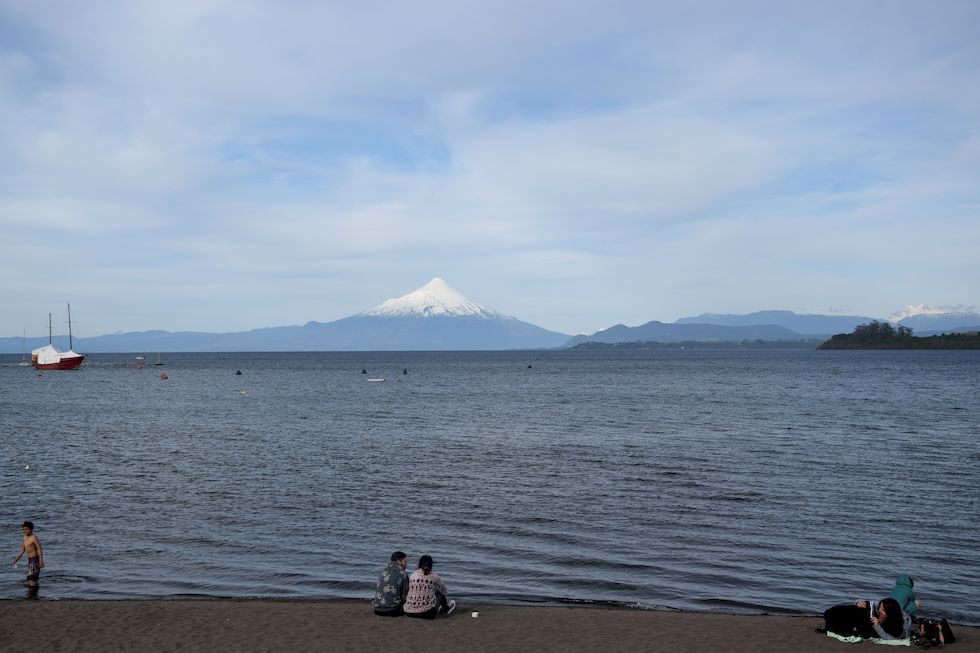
(810, 343)
(953, 341)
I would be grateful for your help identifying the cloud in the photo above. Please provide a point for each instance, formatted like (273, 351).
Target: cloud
(582, 165)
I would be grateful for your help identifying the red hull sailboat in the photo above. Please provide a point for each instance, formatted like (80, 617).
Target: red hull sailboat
(49, 358)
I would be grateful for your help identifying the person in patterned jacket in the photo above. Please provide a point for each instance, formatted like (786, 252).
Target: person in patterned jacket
(427, 593)
(392, 589)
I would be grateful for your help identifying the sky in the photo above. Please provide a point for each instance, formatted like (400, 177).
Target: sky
(223, 166)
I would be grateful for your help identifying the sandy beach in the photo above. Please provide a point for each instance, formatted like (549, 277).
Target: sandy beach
(271, 625)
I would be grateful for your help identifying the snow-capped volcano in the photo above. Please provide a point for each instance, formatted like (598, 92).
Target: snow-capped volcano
(435, 299)
(436, 317)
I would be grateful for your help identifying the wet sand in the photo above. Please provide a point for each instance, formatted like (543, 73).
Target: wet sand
(274, 625)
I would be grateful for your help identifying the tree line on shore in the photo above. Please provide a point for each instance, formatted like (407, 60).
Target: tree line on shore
(882, 335)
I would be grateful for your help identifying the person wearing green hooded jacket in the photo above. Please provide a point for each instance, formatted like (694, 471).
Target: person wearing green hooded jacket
(904, 594)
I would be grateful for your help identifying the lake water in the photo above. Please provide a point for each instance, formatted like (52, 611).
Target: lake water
(733, 481)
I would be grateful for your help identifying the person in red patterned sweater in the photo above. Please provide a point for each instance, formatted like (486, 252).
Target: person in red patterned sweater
(427, 593)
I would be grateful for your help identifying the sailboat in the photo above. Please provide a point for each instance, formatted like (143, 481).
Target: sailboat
(23, 347)
(159, 362)
(49, 358)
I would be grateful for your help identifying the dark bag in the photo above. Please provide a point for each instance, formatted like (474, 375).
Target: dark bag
(933, 632)
(948, 636)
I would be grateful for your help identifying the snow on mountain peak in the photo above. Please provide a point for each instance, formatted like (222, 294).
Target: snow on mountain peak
(436, 298)
(923, 309)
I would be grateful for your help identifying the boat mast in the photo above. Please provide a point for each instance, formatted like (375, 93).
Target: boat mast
(70, 348)
(50, 329)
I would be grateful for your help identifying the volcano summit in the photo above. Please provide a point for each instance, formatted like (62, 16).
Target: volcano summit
(435, 299)
(434, 317)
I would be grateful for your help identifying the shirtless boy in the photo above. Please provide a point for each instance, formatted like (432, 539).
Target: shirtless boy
(35, 556)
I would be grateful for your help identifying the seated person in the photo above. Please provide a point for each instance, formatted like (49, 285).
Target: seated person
(903, 593)
(427, 593)
(392, 588)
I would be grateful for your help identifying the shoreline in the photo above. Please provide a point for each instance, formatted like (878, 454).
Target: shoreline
(255, 624)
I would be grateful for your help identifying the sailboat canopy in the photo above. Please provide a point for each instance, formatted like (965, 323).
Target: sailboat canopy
(46, 355)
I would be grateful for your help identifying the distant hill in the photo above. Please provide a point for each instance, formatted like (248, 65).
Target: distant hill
(660, 332)
(800, 323)
(434, 317)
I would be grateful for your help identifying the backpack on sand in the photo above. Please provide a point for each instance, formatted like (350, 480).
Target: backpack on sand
(932, 632)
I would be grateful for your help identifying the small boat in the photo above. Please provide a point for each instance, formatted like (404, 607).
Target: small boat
(159, 362)
(49, 358)
(379, 380)
(23, 357)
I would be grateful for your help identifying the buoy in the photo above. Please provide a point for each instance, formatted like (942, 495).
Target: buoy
(363, 371)
(238, 373)
(163, 375)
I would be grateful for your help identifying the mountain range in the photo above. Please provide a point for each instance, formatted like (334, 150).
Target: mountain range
(660, 332)
(800, 323)
(437, 317)
(918, 318)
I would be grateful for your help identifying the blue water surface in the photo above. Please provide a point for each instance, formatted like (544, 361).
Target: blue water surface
(727, 480)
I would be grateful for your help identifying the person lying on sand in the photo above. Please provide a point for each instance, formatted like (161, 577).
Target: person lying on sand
(883, 619)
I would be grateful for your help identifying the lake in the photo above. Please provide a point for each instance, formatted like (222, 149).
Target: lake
(780, 481)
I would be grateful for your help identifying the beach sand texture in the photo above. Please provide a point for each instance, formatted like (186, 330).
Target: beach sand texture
(274, 625)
